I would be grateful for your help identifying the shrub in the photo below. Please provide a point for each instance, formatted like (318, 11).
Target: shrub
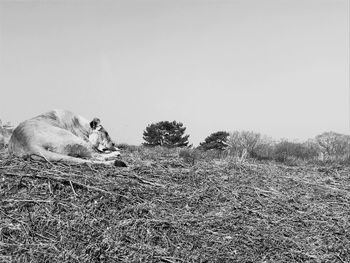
(5, 134)
(190, 155)
(334, 145)
(285, 149)
(127, 147)
(244, 141)
(264, 150)
(2, 142)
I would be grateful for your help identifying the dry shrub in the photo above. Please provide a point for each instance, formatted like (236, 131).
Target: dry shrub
(191, 156)
(127, 147)
(2, 142)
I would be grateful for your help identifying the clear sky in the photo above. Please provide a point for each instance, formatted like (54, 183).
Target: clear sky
(278, 67)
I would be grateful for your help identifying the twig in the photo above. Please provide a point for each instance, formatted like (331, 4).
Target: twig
(134, 176)
(71, 185)
(27, 200)
(167, 259)
(63, 180)
(340, 258)
(50, 187)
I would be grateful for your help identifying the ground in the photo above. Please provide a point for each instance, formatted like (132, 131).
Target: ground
(165, 209)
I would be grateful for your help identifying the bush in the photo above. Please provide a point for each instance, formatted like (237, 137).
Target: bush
(5, 134)
(284, 150)
(127, 147)
(264, 151)
(334, 145)
(241, 141)
(2, 142)
(190, 155)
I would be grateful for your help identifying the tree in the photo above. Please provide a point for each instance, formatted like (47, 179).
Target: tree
(165, 133)
(216, 140)
(333, 144)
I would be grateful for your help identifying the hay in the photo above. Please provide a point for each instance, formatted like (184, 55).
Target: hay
(161, 209)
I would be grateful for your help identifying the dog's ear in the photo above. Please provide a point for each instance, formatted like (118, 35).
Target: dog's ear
(94, 123)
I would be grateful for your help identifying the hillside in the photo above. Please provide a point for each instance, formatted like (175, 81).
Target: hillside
(162, 209)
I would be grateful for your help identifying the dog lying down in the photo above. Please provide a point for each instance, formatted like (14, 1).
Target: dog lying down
(60, 135)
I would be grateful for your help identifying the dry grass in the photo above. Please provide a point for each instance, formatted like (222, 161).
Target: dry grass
(162, 209)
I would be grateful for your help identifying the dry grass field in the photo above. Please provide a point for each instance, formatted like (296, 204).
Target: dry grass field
(163, 209)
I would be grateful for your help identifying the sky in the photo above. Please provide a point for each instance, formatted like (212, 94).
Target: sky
(277, 67)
